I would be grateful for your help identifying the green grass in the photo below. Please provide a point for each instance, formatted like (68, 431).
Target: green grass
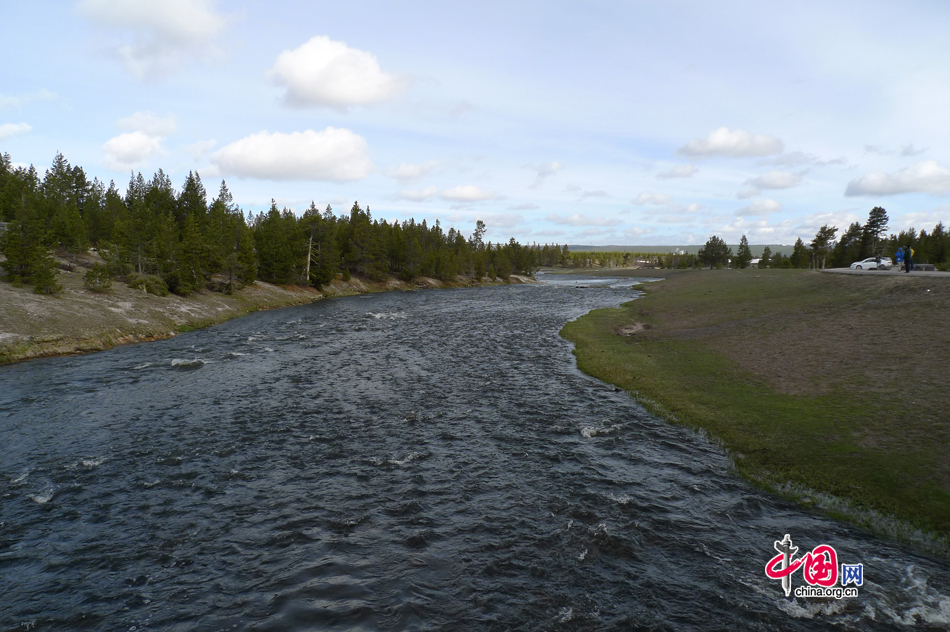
(833, 438)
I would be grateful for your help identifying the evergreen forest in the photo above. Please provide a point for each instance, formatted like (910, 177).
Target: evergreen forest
(166, 240)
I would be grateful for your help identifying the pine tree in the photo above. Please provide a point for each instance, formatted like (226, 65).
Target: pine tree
(715, 252)
(874, 229)
(799, 258)
(822, 244)
(743, 254)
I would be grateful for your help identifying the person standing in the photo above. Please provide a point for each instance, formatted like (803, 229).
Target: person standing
(899, 255)
(908, 258)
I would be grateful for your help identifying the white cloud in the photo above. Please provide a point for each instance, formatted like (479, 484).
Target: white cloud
(149, 123)
(678, 171)
(921, 220)
(524, 206)
(500, 220)
(759, 207)
(776, 180)
(694, 207)
(797, 158)
(910, 150)
(131, 149)
(653, 199)
(594, 232)
(921, 177)
(406, 172)
(877, 149)
(144, 139)
(745, 194)
(636, 231)
(199, 149)
(19, 100)
(583, 220)
(467, 193)
(544, 171)
(808, 225)
(735, 144)
(419, 196)
(322, 72)
(8, 130)
(164, 32)
(595, 194)
(334, 154)
(550, 233)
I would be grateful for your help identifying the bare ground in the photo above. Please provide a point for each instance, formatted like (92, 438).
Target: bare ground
(79, 320)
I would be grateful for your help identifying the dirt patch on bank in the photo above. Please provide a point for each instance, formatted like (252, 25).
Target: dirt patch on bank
(80, 320)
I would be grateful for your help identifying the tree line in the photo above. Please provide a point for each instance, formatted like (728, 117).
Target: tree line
(827, 250)
(161, 239)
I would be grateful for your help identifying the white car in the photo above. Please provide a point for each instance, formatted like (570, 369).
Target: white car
(873, 263)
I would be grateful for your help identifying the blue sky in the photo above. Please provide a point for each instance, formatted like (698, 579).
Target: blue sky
(608, 122)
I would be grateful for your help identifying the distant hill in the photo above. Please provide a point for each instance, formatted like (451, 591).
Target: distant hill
(690, 250)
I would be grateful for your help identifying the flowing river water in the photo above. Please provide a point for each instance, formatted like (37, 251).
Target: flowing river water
(400, 461)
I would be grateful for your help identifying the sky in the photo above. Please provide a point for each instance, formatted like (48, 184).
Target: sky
(638, 122)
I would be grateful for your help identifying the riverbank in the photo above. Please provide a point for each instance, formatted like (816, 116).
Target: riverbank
(829, 389)
(82, 321)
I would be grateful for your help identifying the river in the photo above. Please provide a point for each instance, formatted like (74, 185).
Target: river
(402, 461)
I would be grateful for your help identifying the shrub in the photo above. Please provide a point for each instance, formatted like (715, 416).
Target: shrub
(97, 278)
(150, 283)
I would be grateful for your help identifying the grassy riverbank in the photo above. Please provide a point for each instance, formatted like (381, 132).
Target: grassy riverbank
(80, 321)
(817, 384)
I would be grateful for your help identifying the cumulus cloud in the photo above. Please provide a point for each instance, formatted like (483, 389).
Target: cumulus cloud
(594, 194)
(776, 180)
(694, 207)
(322, 72)
(921, 177)
(582, 220)
(143, 139)
(745, 194)
(130, 150)
(8, 130)
(678, 171)
(467, 193)
(550, 233)
(759, 207)
(734, 144)
(334, 154)
(653, 199)
(419, 196)
(164, 32)
(543, 172)
(411, 172)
